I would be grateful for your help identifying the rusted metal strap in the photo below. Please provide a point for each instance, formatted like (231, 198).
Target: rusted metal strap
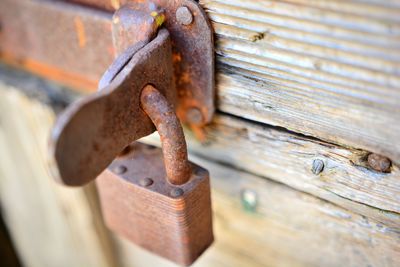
(73, 44)
(57, 40)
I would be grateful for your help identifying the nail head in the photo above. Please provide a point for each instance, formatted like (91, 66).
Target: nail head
(317, 166)
(184, 16)
(249, 200)
(379, 163)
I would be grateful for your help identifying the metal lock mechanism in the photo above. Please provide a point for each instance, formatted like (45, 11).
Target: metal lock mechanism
(164, 70)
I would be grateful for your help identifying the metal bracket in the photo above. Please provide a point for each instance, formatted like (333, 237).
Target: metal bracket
(94, 130)
(192, 49)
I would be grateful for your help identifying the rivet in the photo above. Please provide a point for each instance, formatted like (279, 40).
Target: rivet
(184, 16)
(317, 166)
(176, 192)
(194, 116)
(120, 169)
(379, 163)
(146, 182)
(249, 200)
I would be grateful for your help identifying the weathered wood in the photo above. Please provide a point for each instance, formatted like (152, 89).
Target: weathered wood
(50, 225)
(327, 69)
(288, 158)
(286, 228)
(285, 157)
(53, 226)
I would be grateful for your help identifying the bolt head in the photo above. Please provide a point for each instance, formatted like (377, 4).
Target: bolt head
(120, 169)
(176, 192)
(184, 16)
(317, 166)
(146, 182)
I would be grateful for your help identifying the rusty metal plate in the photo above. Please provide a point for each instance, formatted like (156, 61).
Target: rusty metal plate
(73, 44)
(192, 41)
(138, 203)
(94, 130)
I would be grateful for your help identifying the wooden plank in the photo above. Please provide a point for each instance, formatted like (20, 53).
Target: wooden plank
(56, 226)
(312, 67)
(285, 157)
(288, 158)
(50, 225)
(328, 69)
(286, 228)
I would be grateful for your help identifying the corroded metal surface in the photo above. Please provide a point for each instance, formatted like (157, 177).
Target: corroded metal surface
(61, 41)
(73, 44)
(170, 130)
(135, 22)
(173, 221)
(93, 131)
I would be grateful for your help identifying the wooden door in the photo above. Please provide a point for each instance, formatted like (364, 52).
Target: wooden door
(306, 91)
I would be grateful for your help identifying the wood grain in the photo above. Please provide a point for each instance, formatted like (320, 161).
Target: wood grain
(50, 225)
(327, 69)
(286, 228)
(54, 226)
(288, 158)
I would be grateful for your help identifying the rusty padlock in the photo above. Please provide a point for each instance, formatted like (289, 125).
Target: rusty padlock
(166, 209)
(156, 198)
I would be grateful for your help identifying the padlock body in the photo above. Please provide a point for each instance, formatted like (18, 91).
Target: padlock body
(173, 223)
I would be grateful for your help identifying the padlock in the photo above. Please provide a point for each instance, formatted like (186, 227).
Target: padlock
(165, 209)
(155, 198)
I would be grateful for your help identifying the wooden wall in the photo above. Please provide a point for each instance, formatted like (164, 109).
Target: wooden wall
(297, 81)
(257, 221)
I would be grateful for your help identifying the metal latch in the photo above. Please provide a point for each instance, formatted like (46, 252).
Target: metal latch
(165, 67)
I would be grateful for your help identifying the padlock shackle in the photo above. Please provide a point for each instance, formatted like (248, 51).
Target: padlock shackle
(173, 142)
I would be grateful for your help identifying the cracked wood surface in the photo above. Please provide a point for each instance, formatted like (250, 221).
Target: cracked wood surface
(288, 158)
(328, 69)
(56, 226)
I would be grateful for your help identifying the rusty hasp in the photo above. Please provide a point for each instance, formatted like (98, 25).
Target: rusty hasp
(192, 44)
(75, 43)
(93, 131)
(160, 193)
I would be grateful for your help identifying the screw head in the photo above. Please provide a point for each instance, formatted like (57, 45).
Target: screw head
(176, 192)
(146, 182)
(194, 116)
(120, 169)
(379, 163)
(184, 16)
(317, 166)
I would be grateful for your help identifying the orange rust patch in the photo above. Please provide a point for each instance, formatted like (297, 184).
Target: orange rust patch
(80, 32)
(50, 72)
